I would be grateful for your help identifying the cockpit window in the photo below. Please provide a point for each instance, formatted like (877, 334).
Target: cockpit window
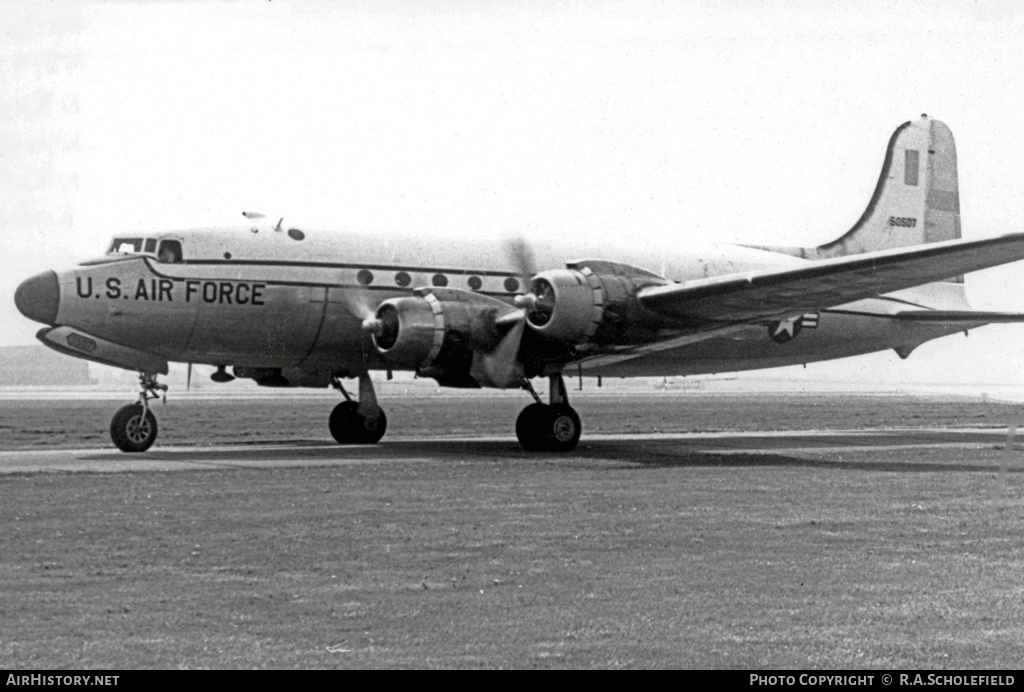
(150, 244)
(126, 245)
(170, 251)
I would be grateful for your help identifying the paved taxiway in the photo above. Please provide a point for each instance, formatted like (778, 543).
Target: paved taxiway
(943, 447)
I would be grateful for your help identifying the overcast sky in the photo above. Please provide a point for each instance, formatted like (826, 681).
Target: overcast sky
(761, 122)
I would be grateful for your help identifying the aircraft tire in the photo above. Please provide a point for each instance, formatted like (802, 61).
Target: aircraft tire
(530, 427)
(370, 430)
(562, 428)
(133, 429)
(349, 428)
(342, 422)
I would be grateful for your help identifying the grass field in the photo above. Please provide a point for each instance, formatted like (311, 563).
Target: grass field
(620, 555)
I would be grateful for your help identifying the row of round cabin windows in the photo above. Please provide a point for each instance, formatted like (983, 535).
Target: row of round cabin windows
(402, 279)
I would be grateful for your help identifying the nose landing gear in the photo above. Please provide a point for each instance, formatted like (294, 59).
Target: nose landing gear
(553, 427)
(133, 428)
(358, 422)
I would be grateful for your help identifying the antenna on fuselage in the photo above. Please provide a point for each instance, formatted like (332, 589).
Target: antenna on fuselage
(257, 215)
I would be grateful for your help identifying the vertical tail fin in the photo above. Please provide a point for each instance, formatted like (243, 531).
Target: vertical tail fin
(916, 200)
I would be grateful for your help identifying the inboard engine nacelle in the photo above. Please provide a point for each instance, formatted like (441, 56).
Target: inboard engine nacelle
(591, 301)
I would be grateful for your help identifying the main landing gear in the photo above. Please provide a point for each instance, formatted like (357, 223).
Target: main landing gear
(553, 427)
(358, 422)
(133, 428)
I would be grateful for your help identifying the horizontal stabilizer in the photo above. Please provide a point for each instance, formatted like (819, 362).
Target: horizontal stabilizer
(959, 316)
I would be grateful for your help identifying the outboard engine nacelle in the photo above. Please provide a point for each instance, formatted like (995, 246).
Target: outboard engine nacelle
(438, 327)
(411, 330)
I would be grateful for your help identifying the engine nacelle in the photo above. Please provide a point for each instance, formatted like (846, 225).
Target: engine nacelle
(569, 304)
(425, 330)
(411, 330)
(588, 302)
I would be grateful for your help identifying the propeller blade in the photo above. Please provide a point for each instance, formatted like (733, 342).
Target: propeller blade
(359, 305)
(501, 367)
(188, 378)
(521, 257)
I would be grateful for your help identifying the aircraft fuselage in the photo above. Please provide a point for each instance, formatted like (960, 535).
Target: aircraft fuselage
(265, 300)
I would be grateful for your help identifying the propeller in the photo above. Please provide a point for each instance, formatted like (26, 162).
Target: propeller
(359, 305)
(501, 367)
(539, 299)
(521, 256)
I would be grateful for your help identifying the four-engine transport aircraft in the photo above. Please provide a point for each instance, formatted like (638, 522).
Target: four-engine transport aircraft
(308, 307)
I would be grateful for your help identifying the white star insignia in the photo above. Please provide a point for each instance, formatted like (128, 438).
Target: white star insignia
(788, 326)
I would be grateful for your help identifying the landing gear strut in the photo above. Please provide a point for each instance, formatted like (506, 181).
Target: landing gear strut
(133, 428)
(553, 427)
(358, 422)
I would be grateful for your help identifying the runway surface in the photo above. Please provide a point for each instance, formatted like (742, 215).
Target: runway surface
(884, 547)
(922, 448)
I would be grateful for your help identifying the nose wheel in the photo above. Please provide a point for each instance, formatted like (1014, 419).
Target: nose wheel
(553, 427)
(358, 422)
(133, 428)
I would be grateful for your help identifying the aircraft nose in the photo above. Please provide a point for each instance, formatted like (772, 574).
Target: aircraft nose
(38, 298)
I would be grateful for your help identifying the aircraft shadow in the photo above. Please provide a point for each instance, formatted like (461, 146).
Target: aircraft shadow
(617, 453)
(753, 459)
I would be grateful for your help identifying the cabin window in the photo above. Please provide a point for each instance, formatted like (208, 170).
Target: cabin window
(170, 251)
(439, 280)
(126, 245)
(511, 285)
(475, 283)
(365, 277)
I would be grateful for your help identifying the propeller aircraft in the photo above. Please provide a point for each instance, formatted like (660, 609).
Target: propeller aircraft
(289, 306)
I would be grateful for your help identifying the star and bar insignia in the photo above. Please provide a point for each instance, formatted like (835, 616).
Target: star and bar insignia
(786, 330)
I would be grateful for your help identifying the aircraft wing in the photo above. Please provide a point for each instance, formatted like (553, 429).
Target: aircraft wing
(776, 293)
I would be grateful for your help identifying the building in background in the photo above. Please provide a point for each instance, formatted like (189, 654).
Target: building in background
(38, 366)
